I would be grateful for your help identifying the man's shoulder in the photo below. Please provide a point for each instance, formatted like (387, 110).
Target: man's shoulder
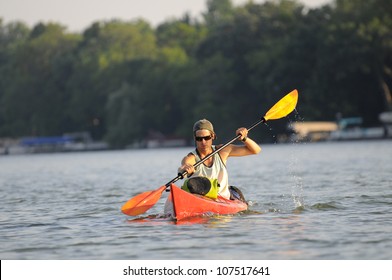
(191, 154)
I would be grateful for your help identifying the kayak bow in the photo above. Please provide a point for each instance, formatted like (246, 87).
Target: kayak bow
(185, 205)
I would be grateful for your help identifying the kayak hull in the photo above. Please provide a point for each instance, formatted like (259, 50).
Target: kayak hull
(186, 205)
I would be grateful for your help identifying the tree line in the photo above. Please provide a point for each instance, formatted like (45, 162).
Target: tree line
(125, 80)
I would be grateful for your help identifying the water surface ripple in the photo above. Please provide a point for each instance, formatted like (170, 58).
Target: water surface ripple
(308, 201)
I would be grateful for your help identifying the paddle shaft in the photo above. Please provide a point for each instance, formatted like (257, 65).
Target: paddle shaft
(183, 174)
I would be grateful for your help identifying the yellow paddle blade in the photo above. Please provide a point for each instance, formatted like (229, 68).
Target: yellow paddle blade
(142, 202)
(283, 107)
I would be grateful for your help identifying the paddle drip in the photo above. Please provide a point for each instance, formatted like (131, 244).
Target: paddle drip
(273, 135)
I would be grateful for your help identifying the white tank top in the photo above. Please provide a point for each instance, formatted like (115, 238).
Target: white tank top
(216, 171)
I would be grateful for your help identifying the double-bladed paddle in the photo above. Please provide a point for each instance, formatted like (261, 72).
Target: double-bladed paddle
(144, 201)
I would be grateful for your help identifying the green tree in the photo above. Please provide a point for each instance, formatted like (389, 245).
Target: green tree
(36, 96)
(12, 35)
(126, 80)
(99, 68)
(218, 12)
(124, 115)
(180, 34)
(353, 68)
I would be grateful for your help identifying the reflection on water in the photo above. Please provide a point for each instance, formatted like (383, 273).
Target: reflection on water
(206, 220)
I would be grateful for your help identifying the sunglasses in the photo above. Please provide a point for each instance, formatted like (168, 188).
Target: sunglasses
(200, 138)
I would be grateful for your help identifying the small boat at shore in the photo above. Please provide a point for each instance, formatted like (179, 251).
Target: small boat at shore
(181, 205)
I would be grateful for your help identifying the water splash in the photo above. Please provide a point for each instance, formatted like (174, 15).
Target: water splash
(297, 192)
(294, 166)
(294, 137)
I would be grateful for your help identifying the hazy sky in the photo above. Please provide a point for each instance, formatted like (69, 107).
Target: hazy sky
(77, 15)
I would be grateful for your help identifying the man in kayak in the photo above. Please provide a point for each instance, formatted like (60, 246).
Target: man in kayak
(215, 167)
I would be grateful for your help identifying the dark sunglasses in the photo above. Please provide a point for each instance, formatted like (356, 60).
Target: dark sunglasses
(200, 138)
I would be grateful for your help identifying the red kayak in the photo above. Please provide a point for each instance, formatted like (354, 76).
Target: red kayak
(185, 205)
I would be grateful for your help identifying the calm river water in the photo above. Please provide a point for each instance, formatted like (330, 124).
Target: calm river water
(308, 201)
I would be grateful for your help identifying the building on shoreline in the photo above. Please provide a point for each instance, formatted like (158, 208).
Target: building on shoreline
(72, 142)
